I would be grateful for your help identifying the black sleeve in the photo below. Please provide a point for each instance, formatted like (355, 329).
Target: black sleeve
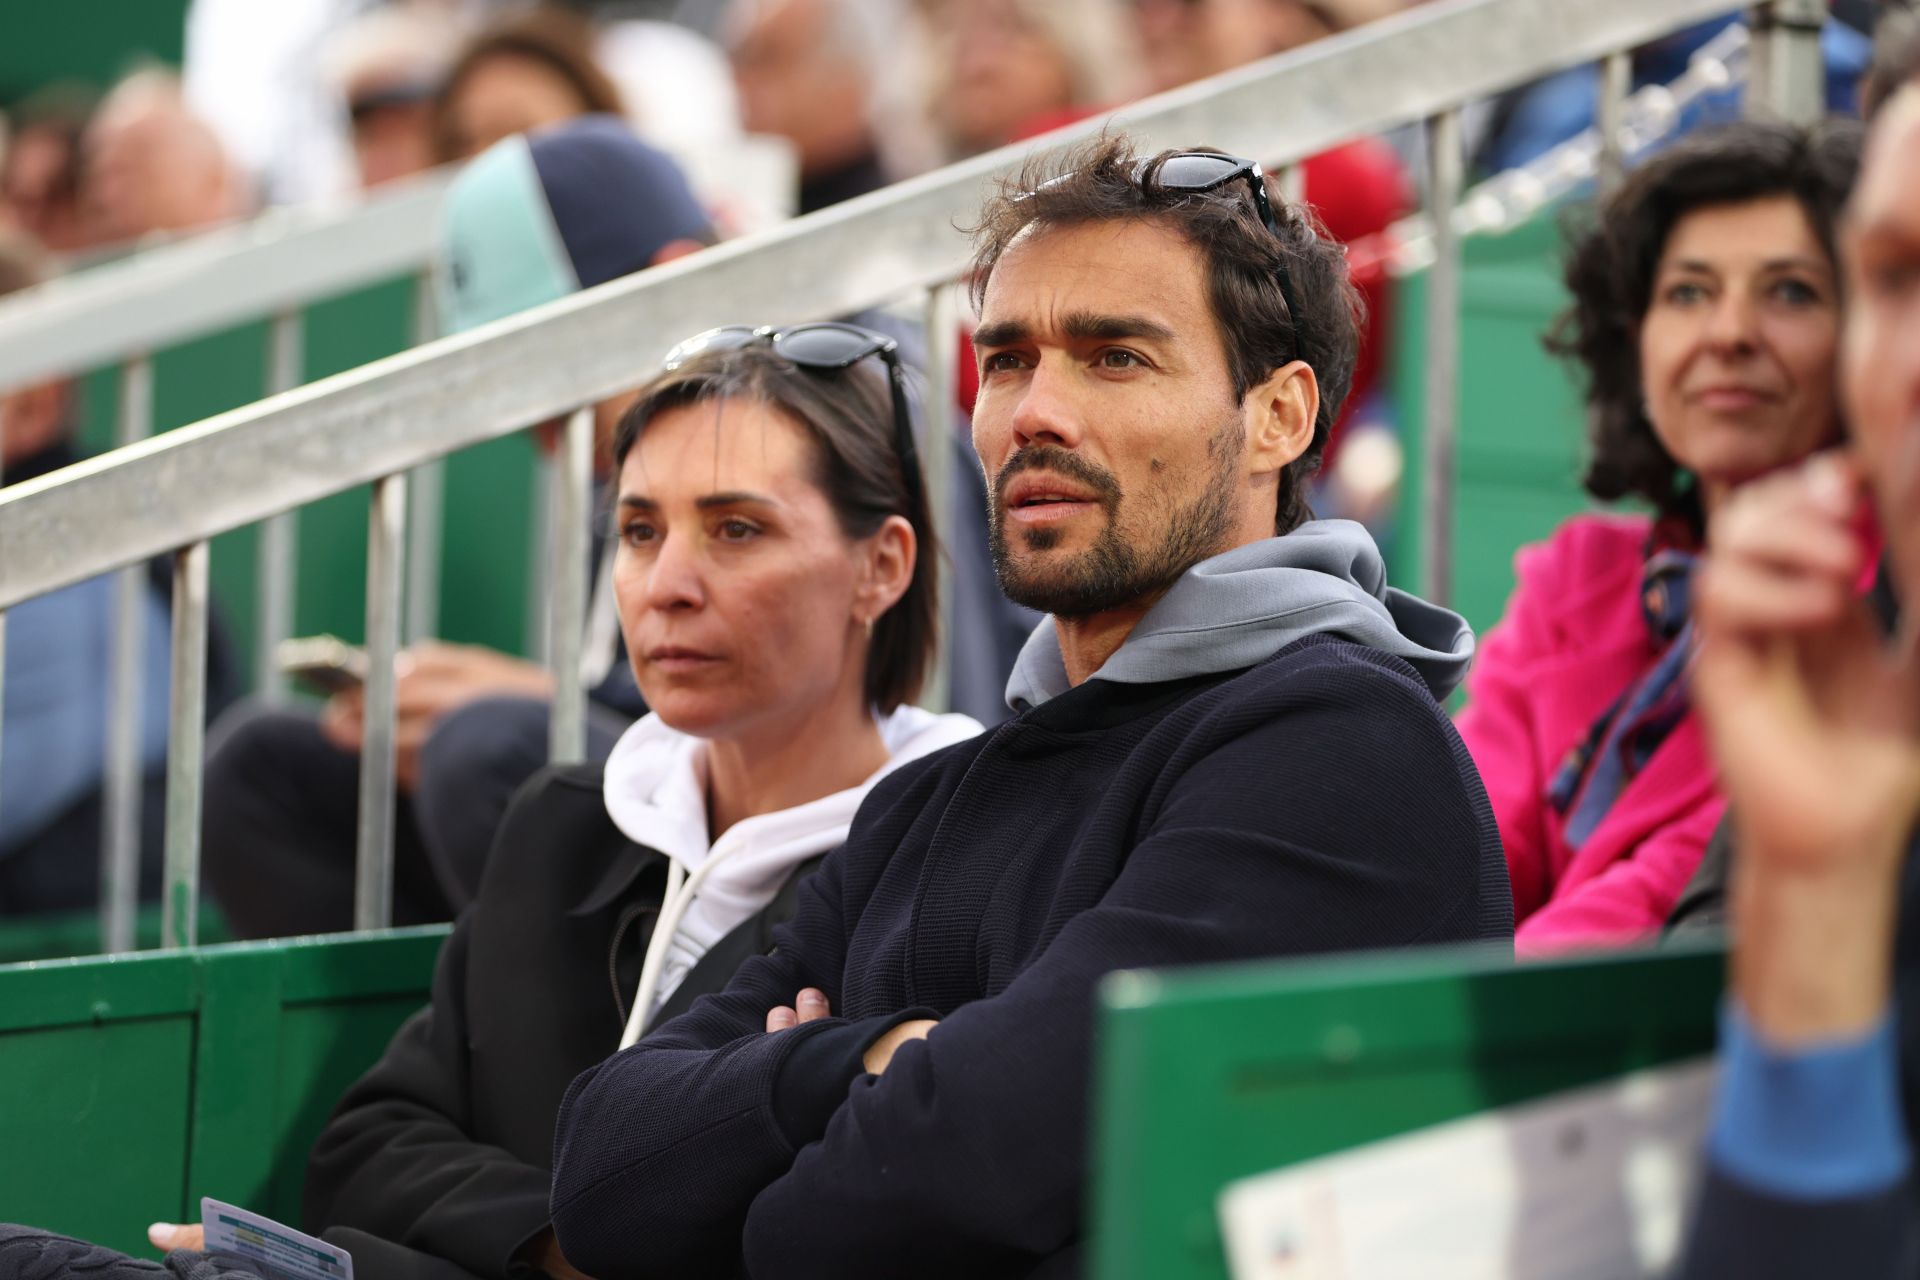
(395, 1160)
(1740, 1233)
(659, 1150)
(968, 1156)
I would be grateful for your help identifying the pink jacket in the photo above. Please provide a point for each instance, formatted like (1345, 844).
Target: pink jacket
(1572, 640)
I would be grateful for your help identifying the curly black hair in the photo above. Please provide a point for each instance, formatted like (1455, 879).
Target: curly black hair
(1610, 270)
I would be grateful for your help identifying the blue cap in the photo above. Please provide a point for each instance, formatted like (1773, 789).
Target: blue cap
(536, 217)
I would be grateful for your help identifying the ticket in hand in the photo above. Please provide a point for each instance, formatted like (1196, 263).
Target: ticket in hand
(277, 1252)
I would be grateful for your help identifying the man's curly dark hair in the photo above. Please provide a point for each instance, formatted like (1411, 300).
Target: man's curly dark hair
(1611, 265)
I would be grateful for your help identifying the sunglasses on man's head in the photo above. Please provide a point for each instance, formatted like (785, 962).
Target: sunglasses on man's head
(824, 347)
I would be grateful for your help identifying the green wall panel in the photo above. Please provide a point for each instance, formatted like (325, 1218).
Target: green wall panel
(1205, 1077)
(140, 1083)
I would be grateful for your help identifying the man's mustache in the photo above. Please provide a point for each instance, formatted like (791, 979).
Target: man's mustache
(1061, 462)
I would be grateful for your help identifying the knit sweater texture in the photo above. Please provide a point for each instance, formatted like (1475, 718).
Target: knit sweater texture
(1316, 801)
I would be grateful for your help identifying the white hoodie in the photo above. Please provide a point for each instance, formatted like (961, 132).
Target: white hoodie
(656, 792)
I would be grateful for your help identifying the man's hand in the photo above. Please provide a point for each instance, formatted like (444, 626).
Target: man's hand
(543, 1254)
(1815, 724)
(431, 681)
(807, 1006)
(168, 1236)
(879, 1054)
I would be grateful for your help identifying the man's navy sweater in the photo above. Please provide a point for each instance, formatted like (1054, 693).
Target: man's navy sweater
(1319, 801)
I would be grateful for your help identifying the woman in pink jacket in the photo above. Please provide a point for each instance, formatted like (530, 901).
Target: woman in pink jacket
(1704, 321)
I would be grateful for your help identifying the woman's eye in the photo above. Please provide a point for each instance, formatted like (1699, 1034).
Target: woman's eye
(637, 534)
(737, 530)
(1685, 293)
(1796, 292)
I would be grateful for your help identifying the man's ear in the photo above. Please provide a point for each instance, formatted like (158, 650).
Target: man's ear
(1280, 416)
(889, 557)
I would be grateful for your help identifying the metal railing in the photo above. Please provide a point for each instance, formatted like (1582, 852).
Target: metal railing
(372, 425)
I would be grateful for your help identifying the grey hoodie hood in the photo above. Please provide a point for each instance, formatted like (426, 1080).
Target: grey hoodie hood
(1243, 606)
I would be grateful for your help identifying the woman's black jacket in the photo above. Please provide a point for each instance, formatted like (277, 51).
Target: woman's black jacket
(444, 1148)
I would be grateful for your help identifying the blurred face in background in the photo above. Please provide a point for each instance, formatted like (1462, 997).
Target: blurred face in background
(1000, 69)
(1882, 353)
(1243, 31)
(152, 166)
(797, 82)
(40, 186)
(392, 132)
(505, 94)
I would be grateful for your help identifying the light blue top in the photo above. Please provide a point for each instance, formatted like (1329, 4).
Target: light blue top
(53, 720)
(1816, 1123)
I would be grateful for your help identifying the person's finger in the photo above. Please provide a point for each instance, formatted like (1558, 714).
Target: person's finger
(1735, 597)
(781, 1018)
(810, 1004)
(168, 1236)
(1792, 537)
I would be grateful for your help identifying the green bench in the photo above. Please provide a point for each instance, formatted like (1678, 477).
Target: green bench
(135, 1084)
(1209, 1076)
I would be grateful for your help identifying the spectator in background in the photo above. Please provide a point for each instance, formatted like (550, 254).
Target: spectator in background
(472, 723)
(1705, 320)
(1815, 719)
(40, 168)
(388, 66)
(805, 70)
(53, 724)
(151, 165)
(1008, 69)
(525, 71)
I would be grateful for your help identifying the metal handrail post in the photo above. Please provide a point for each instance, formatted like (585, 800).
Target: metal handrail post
(1616, 82)
(1789, 80)
(426, 496)
(277, 562)
(936, 465)
(123, 791)
(1446, 168)
(186, 748)
(373, 866)
(567, 600)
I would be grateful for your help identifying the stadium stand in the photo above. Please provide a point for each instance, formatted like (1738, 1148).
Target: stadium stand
(213, 1065)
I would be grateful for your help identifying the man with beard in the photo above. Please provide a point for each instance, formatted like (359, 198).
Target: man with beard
(1228, 746)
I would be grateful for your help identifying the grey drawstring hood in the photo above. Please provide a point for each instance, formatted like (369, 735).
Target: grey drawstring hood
(1243, 606)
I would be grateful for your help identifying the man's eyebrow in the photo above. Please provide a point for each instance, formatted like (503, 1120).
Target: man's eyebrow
(1082, 326)
(1001, 333)
(1085, 325)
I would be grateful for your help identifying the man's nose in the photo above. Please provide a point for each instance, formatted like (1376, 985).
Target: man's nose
(1048, 412)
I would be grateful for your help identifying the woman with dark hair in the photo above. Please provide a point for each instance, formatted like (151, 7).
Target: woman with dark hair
(1705, 318)
(774, 580)
(524, 72)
